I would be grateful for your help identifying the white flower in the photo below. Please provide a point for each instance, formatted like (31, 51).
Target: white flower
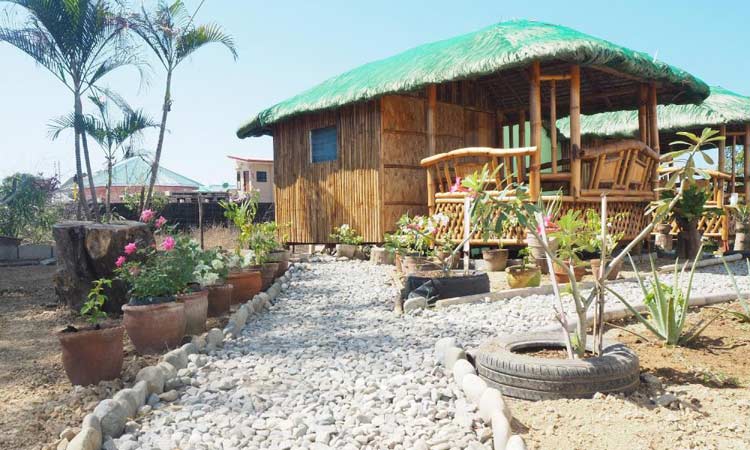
(217, 264)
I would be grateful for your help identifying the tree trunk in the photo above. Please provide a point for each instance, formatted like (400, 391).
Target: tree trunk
(162, 130)
(77, 121)
(92, 188)
(109, 190)
(688, 239)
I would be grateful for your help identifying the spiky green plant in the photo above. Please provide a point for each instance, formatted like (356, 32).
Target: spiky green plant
(667, 305)
(79, 42)
(169, 31)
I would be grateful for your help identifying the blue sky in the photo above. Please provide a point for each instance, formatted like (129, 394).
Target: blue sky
(287, 46)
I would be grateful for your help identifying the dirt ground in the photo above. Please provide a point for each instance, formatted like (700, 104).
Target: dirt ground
(37, 401)
(710, 379)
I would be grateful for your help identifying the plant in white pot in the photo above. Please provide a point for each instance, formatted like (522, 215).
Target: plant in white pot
(348, 241)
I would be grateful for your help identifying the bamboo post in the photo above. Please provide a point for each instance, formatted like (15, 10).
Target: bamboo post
(430, 116)
(653, 127)
(500, 120)
(721, 160)
(522, 142)
(535, 110)
(746, 172)
(553, 124)
(430, 191)
(467, 233)
(643, 113)
(575, 131)
(733, 182)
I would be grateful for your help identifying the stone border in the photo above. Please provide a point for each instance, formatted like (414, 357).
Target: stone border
(490, 402)
(111, 415)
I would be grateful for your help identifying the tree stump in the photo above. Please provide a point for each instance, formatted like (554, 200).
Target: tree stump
(86, 251)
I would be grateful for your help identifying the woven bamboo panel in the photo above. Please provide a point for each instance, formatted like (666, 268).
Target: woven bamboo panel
(630, 223)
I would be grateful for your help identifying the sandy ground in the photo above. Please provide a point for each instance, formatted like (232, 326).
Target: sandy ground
(37, 401)
(710, 378)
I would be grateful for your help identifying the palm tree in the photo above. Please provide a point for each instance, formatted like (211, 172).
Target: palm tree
(112, 135)
(170, 32)
(79, 42)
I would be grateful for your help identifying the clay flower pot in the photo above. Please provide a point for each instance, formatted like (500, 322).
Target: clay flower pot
(219, 299)
(268, 273)
(246, 284)
(561, 274)
(496, 259)
(196, 311)
(282, 258)
(596, 264)
(155, 328)
(92, 355)
(521, 277)
(346, 250)
(414, 264)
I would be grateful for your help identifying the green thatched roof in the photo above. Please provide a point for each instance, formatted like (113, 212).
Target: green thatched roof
(502, 46)
(722, 107)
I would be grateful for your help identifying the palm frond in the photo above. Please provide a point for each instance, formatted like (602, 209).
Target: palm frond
(201, 35)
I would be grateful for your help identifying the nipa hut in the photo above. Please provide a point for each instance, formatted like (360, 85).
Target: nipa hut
(725, 111)
(392, 136)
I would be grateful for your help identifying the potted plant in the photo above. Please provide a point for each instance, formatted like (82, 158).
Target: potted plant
(572, 239)
(496, 259)
(741, 213)
(278, 254)
(262, 241)
(527, 274)
(551, 212)
(417, 235)
(245, 278)
(186, 254)
(94, 353)
(348, 240)
(153, 318)
(211, 273)
(594, 233)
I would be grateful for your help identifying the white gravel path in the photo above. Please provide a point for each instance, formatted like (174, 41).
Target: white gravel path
(331, 366)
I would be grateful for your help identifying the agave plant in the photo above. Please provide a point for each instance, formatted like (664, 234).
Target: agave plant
(667, 305)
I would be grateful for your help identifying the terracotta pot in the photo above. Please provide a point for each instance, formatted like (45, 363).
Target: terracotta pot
(267, 274)
(90, 356)
(196, 311)
(246, 284)
(520, 276)
(561, 275)
(595, 265)
(413, 264)
(219, 299)
(346, 250)
(496, 259)
(155, 328)
(282, 258)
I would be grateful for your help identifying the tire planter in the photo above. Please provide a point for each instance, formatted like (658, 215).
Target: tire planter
(155, 328)
(196, 311)
(346, 250)
(246, 284)
(282, 258)
(268, 273)
(496, 259)
(219, 299)
(532, 378)
(92, 355)
(595, 264)
(447, 287)
(521, 277)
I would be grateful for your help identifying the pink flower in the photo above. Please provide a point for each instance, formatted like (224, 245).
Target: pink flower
(160, 221)
(168, 243)
(457, 187)
(120, 261)
(130, 248)
(147, 215)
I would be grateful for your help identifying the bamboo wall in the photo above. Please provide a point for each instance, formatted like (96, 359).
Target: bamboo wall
(314, 198)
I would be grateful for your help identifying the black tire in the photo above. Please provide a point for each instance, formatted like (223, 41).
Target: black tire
(531, 378)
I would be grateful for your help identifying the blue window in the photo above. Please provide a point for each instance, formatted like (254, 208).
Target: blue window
(261, 176)
(323, 145)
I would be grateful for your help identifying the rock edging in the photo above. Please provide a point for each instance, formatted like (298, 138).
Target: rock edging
(490, 402)
(159, 382)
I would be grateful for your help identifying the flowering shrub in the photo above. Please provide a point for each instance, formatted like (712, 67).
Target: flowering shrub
(417, 235)
(211, 268)
(346, 235)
